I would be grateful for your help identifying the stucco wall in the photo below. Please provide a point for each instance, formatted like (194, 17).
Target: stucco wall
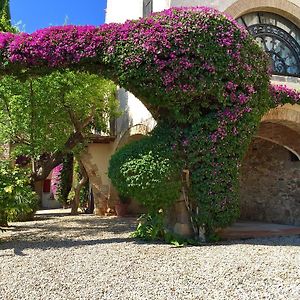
(100, 155)
(219, 4)
(270, 184)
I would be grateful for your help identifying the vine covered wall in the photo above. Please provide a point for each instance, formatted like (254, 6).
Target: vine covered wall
(200, 74)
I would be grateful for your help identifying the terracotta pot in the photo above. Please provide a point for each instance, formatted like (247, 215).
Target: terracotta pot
(121, 209)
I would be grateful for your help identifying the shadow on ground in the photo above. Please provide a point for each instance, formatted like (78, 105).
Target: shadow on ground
(64, 231)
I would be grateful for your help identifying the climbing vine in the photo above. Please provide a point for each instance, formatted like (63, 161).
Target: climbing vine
(197, 71)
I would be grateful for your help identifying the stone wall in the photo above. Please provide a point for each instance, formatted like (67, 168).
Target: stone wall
(270, 184)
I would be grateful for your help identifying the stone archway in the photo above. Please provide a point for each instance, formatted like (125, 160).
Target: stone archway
(134, 133)
(270, 174)
(285, 8)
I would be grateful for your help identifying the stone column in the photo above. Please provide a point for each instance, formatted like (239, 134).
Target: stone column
(179, 220)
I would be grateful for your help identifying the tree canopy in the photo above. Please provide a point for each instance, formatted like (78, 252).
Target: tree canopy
(51, 115)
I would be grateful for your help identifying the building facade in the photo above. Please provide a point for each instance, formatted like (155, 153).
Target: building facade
(270, 175)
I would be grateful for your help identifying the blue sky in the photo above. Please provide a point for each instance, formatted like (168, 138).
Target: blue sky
(35, 14)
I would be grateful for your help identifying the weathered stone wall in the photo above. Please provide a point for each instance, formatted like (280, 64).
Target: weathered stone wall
(270, 184)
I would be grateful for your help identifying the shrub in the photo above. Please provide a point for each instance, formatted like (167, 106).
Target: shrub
(147, 170)
(17, 200)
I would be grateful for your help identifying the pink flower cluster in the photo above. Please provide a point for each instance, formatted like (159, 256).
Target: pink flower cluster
(187, 57)
(167, 39)
(282, 94)
(55, 180)
(57, 46)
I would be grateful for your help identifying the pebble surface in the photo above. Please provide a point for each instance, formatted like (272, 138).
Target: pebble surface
(90, 257)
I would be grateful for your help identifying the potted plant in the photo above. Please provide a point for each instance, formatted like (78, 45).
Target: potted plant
(121, 206)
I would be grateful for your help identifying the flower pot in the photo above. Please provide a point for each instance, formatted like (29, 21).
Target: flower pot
(121, 209)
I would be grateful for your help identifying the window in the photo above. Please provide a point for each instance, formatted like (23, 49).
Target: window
(279, 37)
(147, 7)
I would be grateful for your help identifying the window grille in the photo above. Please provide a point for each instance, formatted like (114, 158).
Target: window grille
(279, 37)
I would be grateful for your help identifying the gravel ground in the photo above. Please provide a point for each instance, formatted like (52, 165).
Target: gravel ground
(88, 257)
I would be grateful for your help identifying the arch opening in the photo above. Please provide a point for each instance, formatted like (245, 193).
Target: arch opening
(270, 175)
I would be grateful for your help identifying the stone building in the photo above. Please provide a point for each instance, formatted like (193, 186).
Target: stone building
(270, 177)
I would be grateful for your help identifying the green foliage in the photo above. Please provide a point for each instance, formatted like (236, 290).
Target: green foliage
(147, 170)
(65, 180)
(49, 106)
(5, 23)
(17, 201)
(84, 196)
(214, 166)
(151, 227)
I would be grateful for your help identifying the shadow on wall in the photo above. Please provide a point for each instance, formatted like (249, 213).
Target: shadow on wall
(125, 121)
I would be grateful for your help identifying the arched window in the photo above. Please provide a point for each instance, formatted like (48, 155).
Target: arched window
(147, 7)
(279, 37)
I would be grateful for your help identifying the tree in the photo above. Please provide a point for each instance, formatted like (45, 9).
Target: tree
(46, 118)
(5, 23)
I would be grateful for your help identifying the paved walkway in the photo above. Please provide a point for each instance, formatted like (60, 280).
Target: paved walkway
(246, 230)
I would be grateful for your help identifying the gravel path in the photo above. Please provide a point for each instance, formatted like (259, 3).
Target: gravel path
(88, 257)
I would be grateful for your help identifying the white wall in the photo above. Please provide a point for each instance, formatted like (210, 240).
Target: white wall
(159, 5)
(118, 11)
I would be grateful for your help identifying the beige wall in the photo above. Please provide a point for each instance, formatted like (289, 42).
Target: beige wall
(222, 5)
(100, 156)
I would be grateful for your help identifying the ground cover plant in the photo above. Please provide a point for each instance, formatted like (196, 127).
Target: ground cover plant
(203, 78)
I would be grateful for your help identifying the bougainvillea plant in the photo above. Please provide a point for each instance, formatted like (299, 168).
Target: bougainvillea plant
(197, 71)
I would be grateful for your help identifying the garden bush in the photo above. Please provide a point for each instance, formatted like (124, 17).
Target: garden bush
(148, 170)
(17, 200)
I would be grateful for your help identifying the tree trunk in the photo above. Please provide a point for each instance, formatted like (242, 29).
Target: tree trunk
(49, 162)
(76, 200)
(99, 196)
(3, 219)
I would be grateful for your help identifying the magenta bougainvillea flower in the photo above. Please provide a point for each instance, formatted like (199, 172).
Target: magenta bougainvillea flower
(55, 179)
